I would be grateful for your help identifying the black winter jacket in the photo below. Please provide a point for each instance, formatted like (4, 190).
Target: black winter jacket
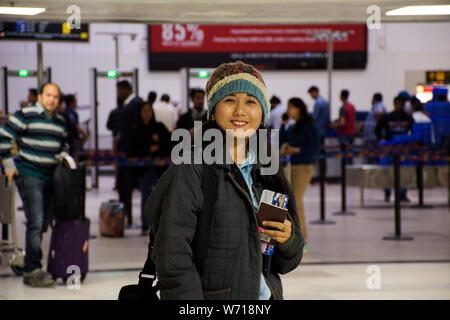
(186, 121)
(233, 264)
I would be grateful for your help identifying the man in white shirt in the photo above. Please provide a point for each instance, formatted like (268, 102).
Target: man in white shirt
(165, 112)
(276, 113)
(420, 116)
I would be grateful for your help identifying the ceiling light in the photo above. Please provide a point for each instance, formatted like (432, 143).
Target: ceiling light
(214, 13)
(21, 10)
(420, 11)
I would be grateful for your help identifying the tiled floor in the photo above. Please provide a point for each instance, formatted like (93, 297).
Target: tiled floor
(335, 268)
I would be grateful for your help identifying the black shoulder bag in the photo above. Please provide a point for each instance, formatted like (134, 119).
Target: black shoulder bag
(147, 289)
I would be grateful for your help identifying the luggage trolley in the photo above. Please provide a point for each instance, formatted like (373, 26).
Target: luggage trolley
(8, 217)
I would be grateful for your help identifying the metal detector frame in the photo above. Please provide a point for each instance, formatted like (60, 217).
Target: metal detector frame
(15, 73)
(94, 75)
(186, 75)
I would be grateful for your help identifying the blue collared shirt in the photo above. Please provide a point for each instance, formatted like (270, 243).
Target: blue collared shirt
(321, 114)
(246, 168)
(371, 122)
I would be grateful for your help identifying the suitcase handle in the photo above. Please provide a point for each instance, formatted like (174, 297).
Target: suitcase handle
(8, 184)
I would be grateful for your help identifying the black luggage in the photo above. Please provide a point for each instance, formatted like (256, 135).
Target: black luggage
(69, 187)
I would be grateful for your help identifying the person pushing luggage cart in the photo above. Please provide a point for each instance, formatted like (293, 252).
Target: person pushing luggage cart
(40, 134)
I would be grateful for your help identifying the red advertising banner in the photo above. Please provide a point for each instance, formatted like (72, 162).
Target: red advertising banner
(251, 38)
(276, 47)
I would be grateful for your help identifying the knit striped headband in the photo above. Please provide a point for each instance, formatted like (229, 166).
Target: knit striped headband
(234, 77)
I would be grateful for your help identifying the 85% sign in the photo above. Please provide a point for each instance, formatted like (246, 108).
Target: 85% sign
(181, 33)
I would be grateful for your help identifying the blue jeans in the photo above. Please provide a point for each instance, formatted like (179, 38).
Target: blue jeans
(147, 179)
(37, 201)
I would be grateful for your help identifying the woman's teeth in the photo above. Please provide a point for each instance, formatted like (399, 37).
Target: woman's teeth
(239, 123)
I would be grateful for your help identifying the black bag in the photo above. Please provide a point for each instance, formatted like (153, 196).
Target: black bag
(69, 191)
(145, 289)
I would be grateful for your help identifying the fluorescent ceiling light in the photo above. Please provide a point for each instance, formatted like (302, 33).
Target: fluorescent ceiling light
(420, 11)
(21, 10)
(214, 13)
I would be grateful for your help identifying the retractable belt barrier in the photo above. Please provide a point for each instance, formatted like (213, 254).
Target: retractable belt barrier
(417, 153)
(111, 157)
(411, 153)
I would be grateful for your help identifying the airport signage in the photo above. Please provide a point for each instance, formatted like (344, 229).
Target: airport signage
(43, 31)
(439, 76)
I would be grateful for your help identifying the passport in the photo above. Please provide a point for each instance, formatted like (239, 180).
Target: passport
(272, 207)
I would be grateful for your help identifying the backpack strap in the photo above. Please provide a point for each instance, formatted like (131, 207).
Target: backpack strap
(148, 273)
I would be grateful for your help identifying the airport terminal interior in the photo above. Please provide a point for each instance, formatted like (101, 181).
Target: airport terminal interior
(376, 206)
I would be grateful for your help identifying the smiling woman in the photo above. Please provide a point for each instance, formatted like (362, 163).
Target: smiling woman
(239, 115)
(237, 77)
(207, 240)
(238, 103)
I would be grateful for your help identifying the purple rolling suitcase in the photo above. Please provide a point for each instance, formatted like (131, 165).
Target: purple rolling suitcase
(69, 249)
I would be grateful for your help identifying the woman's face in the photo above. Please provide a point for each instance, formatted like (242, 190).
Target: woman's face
(293, 112)
(146, 113)
(238, 111)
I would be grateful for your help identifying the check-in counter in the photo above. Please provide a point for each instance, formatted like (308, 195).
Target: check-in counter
(376, 176)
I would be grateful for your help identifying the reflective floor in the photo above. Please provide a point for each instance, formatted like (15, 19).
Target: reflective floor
(347, 260)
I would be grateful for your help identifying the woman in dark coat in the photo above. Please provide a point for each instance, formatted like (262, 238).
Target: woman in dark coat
(149, 139)
(234, 265)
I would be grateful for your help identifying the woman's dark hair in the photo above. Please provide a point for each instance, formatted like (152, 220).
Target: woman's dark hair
(138, 121)
(68, 99)
(305, 117)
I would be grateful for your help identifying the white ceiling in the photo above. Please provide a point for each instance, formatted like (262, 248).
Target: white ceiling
(221, 11)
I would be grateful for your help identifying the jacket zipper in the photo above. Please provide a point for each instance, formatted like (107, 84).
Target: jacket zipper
(272, 288)
(247, 196)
